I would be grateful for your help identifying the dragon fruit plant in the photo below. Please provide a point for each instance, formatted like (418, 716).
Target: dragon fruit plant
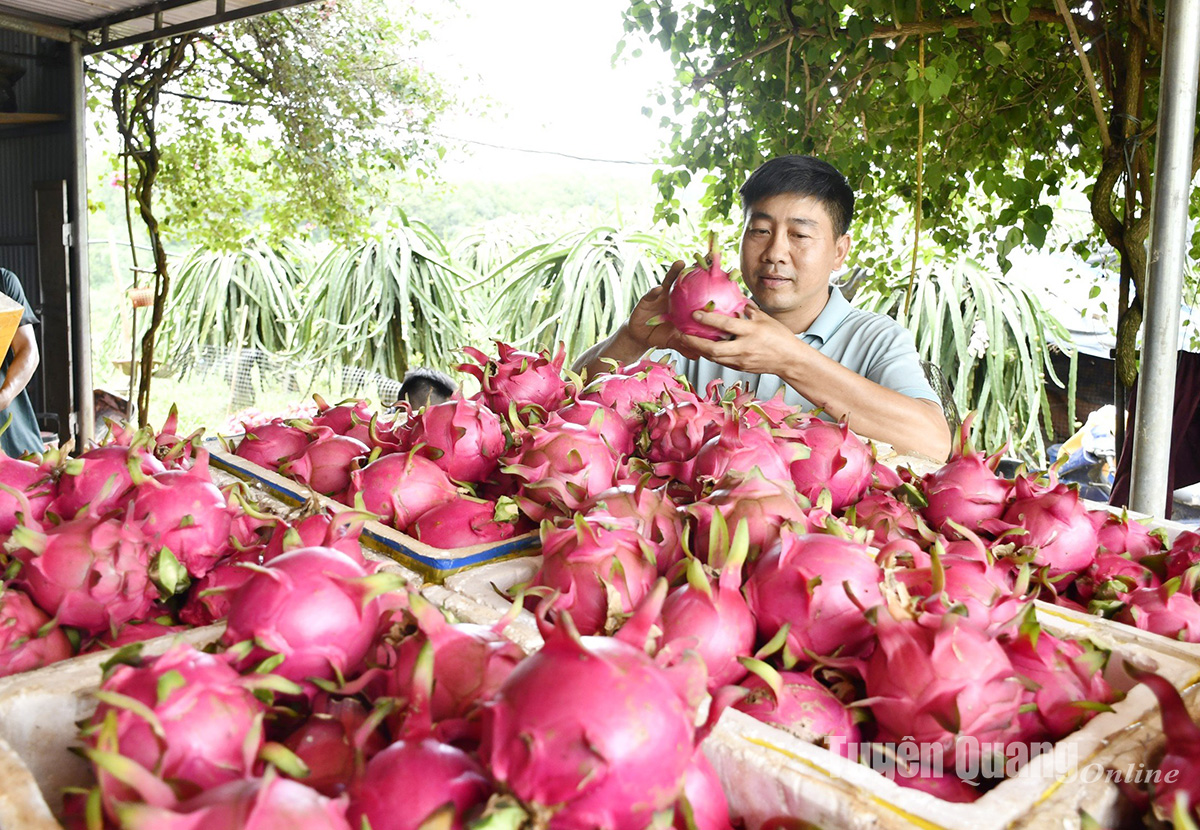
(703, 289)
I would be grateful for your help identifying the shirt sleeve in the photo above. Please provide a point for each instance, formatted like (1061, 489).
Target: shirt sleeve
(895, 363)
(11, 286)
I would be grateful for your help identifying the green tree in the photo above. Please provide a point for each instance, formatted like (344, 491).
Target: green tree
(971, 114)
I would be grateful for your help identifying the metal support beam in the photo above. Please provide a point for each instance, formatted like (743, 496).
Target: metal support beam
(160, 32)
(81, 302)
(1168, 250)
(34, 27)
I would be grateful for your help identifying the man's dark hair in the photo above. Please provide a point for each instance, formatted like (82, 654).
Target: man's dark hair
(425, 387)
(803, 176)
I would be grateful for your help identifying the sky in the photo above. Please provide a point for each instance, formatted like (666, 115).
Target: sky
(546, 65)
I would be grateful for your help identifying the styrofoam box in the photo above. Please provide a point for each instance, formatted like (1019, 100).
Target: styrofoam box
(433, 564)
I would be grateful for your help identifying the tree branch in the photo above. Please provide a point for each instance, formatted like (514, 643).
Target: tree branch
(1088, 77)
(923, 27)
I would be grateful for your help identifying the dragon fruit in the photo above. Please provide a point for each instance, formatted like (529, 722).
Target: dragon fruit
(209, 597)
(272, 444)
(626, 389)
(966, 488)
(183, 511)
(798, 703)
(657, 517)
(1183, 555)
(1111, 577)
(601, 568)
(1165, 610)
(562, 467)
(28, 638)
(704, 289)
(944, 784)
(674, 434)
(1064, 681)
(466, 522)
(268, 803)
(741, 449)
(91, 573)
(763, 504)
(461, 436)
(518, 378)
(1054, 522)
(187, 717)
(1123, 535)
(591, 731)
(351, 418)
(837, 461)
(137, 631)
(819, 585)
(414, 778)
(714, 619)
(334, 744)
(326, 636)
(324, 465)
(34, 482)
(400, 487)
(940, 678)
(707, 807)
(1178, 784)
(339, 531)
(615, 431)
(886, 517)
(753, 411)
(99, 479)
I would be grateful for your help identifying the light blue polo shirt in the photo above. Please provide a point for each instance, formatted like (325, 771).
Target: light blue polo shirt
(872, 345)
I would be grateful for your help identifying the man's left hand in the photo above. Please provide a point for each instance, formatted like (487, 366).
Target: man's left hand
(760, 345)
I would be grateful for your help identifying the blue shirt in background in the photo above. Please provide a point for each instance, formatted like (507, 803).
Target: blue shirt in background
(23, 434)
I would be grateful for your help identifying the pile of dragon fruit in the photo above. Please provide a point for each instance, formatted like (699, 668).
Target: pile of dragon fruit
(128, 541)
(335, 701)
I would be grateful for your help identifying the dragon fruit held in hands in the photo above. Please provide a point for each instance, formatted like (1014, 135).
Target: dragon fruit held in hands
(704, 289)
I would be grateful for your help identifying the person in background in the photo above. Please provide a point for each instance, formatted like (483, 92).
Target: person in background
(425, 387)
(800, 334)
(23, 434)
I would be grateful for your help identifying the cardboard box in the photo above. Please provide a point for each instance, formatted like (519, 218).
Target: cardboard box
(10, 319)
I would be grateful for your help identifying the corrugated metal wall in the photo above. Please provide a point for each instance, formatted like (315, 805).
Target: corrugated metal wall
(32, 153)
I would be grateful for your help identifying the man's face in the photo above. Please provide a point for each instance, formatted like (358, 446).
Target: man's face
(788, 252)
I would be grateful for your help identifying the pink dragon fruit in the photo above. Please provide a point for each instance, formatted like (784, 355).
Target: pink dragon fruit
(398, 488)
(983, 590)
(704, 289)
(326, 636)
(763, 504)
(91, 573)
(966, 488)
(798, 703)
(675, 432)
(562, 467)
(28, 638)
(1064, 681)
(1164, 610)
(324, 465)
(941, 678)
(461, 436)
(334, 744)
(618, 434)
(838, 461)
(591, 731)
(601, 568)
(469, 664)
(819, 585)
(707, 807)
(411, 780)
(518, 378)
(753, 411)
(1123, 535)
(466, 522)
(628, 388)
(339, 531)
(944, 784)
(657, 517)
(272, 444)
(1183, 555)
(886, 517)
(350, 417)
(183, 511)
(34, 482)
(187, 717)
(1054, 523)
(99, 479)
(137, 631)
(1178, 786)
(741, 449)
(209, 597)
(1111, 577)
(714, 619)
(268, 803)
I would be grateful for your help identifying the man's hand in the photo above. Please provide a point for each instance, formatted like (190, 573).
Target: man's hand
(760, 345)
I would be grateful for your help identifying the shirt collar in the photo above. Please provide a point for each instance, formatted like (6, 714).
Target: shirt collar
(827, 322)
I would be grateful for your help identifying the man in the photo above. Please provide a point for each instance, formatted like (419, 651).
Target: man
(799, 334)
(23, 434)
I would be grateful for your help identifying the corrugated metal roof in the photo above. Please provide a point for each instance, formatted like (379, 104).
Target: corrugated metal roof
(109, 23)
